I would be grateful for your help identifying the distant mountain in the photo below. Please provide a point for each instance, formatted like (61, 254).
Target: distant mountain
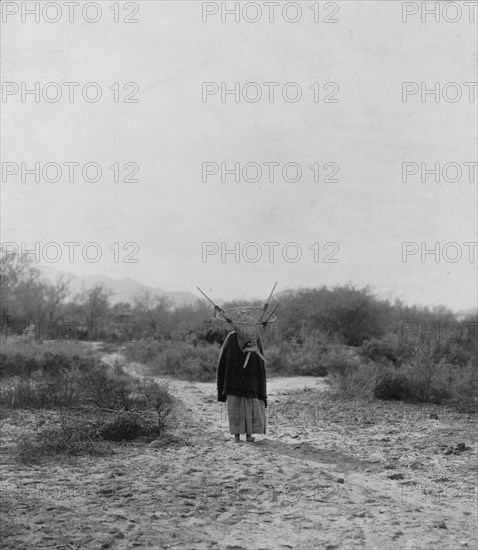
(124, 289)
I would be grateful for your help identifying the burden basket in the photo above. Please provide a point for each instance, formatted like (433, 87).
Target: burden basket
(247, 321)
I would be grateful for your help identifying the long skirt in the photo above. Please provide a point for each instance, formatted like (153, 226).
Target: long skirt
(247, 415)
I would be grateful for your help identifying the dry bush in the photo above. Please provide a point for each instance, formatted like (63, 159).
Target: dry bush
(19, 355)
(428, 377)
(105, 387)
(350, 377)
(84, 431)
(278, 363)
(129, 425)
(39, 391)
(144, 350)
(186, 361)
(71, 437)
(159, 399)
(60, 381)
(98, 403)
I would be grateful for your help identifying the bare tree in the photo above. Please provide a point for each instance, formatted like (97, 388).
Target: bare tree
(151, 311)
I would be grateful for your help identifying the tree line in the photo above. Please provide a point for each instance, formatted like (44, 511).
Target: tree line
(38, 308)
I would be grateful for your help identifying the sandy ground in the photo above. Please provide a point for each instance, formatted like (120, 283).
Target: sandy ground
(327, 475)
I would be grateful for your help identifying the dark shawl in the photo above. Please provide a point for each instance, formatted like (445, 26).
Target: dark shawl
(233, 379)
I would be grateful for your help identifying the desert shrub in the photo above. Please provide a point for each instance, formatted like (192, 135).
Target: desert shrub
(50, 384)
(86, 434)
(17, 391)
(304, 359)
(144, 350)
(464, 384)
(296, 359)
(129, 425)
(393, 386)
(64, 382)
(159, 399)
(277, 360)
(19, 365)
(71, 437)
(199, 362)
(186, 361)
(84, 430)
(408, 384)
(350, 377)
(380, 349)
(40, 391)
(424, 372)
(105, 387)
(429, 377)
(16, 352)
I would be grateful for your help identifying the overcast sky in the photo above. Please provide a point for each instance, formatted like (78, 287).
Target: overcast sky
(171, 132)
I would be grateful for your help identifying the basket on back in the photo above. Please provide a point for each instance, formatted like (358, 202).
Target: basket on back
(247, 321)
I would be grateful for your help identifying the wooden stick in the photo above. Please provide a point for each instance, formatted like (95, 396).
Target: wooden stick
(221, 311)
(272, 312)
(207, 298)
(267, 303)
(260, 321)
(270, 296)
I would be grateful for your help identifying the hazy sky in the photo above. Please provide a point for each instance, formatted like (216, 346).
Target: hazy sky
(171, 132)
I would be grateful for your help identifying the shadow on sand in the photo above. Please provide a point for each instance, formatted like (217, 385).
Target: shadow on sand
(306, 451)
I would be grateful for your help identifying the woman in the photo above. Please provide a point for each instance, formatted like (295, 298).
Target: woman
(243, 389)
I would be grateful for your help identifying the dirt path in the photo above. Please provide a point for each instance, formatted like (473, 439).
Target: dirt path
(319, 479)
